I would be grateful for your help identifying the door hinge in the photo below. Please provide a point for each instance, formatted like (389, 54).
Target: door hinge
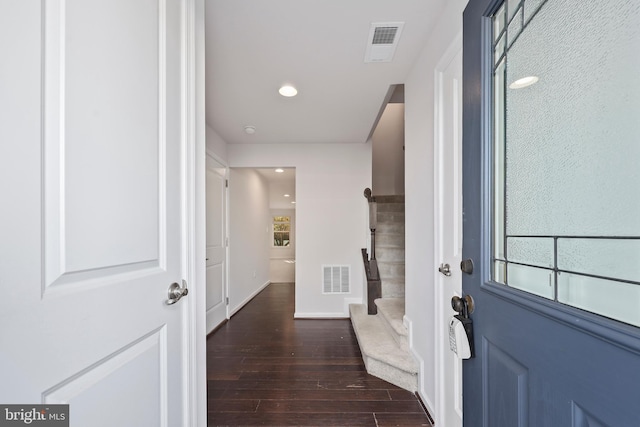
(226, 183)
(227, 300)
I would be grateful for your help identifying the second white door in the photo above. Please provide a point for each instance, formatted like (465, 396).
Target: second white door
(216, 244)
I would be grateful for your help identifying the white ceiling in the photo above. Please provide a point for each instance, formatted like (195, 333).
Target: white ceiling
(255, 46)
(279, 185)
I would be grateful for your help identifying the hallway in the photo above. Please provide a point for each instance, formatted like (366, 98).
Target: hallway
(266, 369)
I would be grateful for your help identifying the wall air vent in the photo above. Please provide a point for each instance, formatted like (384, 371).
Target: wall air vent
(382, 41)
(335, 279)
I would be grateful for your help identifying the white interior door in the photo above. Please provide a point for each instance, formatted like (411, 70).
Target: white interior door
(90, 165)
(448, 231)
(216, 244)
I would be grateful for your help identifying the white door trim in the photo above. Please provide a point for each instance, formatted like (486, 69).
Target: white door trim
(441, 328)
(194, 212)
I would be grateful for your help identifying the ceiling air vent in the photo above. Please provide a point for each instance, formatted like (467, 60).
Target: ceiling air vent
(382, 41)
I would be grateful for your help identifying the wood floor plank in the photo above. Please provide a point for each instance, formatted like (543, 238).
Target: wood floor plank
(287, 420)
(233, 405)
(302, 361)
(339, 406)
(350, 376)
(305, 394)
(401, 420)
(265, 368)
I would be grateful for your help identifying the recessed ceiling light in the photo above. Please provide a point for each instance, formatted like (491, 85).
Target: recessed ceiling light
(287, 195)
(288, 91)
(279, 170)
(250, 129)
(293, 203)
(524, 82)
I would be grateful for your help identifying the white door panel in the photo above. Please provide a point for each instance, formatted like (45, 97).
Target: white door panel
(90, 156)
(215, 294)
(216, 243)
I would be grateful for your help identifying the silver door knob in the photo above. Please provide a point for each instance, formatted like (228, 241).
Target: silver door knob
(445, 269)
(176, 292)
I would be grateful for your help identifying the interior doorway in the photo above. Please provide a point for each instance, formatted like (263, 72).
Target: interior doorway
(282, 223)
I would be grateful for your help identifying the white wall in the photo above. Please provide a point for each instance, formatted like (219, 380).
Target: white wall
(331, 214)
(419, 193)
(216, 145)
(249, 236)
(388, 152)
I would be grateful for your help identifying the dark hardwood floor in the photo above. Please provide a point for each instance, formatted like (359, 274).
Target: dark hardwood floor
(266, 369)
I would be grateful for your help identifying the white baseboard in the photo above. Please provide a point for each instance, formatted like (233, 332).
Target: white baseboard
(344, 315)
(421, 391)
(249, 298)
(211, 323)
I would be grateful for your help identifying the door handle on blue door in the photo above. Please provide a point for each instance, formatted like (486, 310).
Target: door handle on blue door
(464, 306)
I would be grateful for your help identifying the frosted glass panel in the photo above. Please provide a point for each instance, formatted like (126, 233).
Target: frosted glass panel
(499, 49)
(533, 280)
(500, 272)
(498, 170)
(606, 297)
(515, 27)
(498, 22)
(572, 138)
(513, 6)
(612, 258)
(566, 150)
(531, 250)
(530, 7)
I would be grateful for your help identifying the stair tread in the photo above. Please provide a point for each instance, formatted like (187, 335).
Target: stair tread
(376, 342)
(393, 311)
(396, 280)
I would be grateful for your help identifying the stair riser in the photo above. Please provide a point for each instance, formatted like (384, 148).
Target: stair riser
(391, 270)
(389, 254)
(394, 227)
(389, 239)
(390, 207)
(392, 290)
(390, 217)
(401, 340)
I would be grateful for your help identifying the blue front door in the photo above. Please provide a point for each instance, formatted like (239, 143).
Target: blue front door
(551, 143)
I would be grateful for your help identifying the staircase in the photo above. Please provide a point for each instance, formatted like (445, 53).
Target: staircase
(390, 245)
(383, 338)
